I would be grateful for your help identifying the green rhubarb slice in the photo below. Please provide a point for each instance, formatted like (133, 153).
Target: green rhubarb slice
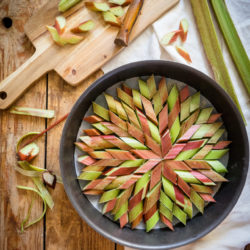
(109, 195)
(120, 111)
(117, 11)
(179, 214)
(102, 128)
(197, 200)
(132, 163)
(154, 132)
(212, 47)
(111, 102)
(217, 166)
(173, 97)
(135, 211)
(204, 115)
(164, 199)
(187, 176)
(151, 86)
(66, 4)
(233, 41)
(101, 111)
(185, 155)
(157, 103)
(175, 130)
(89, 175)
(144, 89)
(168, 188)
(137, 98)
(121, 211)
(150, 224)
(214, 139)
(188, 208)
(195, 102)
(166, 212)
(185, 109)
(205, 129)
(133, 143)
(216, 154)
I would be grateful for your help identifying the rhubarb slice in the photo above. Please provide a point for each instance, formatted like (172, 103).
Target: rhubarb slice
(60, 24)
(183, 52)
(97, 6)
(66, 4)
(100, 111)
(170, 37)
(184, 29)
(28, 152)
(84, 27)
(111, 18)
(120, 2)
(117, 11)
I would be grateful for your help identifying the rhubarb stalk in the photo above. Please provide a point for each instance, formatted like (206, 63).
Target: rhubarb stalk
(212, 47)
(128, 23)
(232, 39)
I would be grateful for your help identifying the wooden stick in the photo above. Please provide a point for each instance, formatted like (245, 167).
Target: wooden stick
(46, 130)
(122, 37)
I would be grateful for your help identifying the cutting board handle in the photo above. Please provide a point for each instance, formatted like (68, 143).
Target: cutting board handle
(17, 82)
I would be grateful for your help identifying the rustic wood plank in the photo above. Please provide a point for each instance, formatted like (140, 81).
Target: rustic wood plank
(64, 228)
(14, 50)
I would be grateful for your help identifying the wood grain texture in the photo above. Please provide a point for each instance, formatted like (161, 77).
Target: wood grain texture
(73, 63)
(64, 228)
(14, 50)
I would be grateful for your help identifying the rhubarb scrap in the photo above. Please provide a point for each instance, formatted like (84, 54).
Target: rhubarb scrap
(67, 4)
(45, 113)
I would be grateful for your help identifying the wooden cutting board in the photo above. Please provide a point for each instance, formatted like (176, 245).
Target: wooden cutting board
(72, 62)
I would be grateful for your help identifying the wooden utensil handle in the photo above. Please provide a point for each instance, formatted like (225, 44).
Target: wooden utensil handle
(17, 82)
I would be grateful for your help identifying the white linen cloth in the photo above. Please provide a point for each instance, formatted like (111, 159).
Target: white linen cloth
(234, 232)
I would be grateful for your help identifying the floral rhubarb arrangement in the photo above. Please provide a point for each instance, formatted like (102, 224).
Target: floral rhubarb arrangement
(153, 155)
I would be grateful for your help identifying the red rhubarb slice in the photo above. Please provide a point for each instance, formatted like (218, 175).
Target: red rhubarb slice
(147, 166)
(155, 147)
(207, 197)
(117, 121)
(149, 110)
(221, 144)
(115, 129)
(213, 118)
(116, 141)
(91, 132)
(163, 90)
(155, 176)
(177, 165)
(189, 133)
(184, 93)
(144, 122)
(120, 154)
(145, 154)
(166, 144)
(93, 119)
(163, 119)
(175, 150)
(135, 132)
(197, 164)
(169, 174)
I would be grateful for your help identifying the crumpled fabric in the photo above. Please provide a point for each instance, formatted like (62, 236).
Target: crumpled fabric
(234, 231)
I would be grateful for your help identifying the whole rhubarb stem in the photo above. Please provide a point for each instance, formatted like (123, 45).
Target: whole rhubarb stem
(128, 23)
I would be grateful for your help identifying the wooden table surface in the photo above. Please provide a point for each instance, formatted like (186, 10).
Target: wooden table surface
(61, 228)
